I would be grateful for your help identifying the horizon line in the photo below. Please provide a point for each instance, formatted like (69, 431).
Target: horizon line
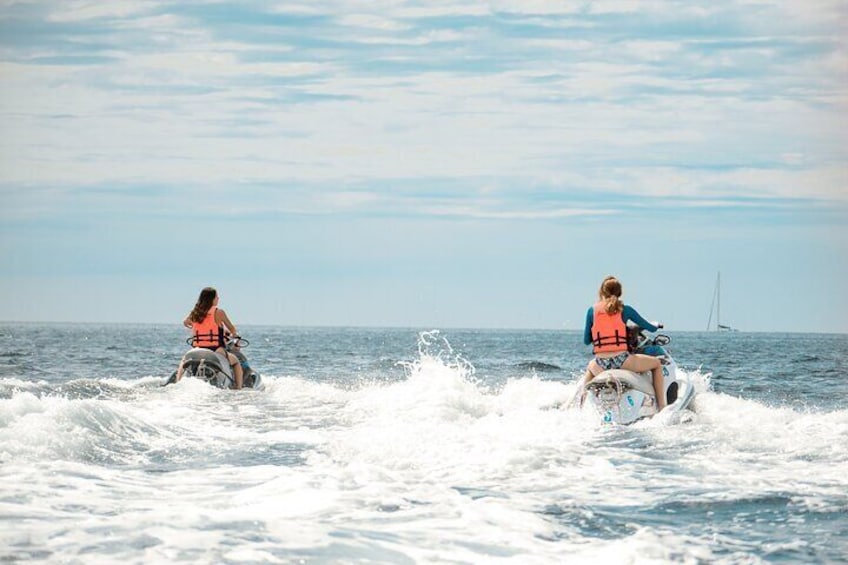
(404, 327)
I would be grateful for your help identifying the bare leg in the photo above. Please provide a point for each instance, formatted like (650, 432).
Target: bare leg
(238, 371)
(180, 370)
(639, 364)
(591, 371)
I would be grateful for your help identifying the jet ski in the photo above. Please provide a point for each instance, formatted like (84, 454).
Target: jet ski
(214, 368)
(623, 397)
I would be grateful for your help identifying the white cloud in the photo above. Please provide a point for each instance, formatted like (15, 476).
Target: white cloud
(547, 7)
(80, 10)
(467, 211)
(562, 44)
(652, 115)
(441, 8)
(651, 50)
(373, 22)
(427, 38)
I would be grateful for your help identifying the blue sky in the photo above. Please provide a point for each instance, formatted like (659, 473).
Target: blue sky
(425, 164)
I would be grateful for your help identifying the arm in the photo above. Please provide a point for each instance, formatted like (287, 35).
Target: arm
(587, 330)
(222, 318)
(630, 314)
(187, 322)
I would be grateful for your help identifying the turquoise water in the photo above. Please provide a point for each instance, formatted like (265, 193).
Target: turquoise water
(399, 446)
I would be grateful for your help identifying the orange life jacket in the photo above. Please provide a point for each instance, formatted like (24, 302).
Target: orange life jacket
(609, 333)
(208, 333)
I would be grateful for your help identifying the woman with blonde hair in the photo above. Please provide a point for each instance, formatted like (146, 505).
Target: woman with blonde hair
(606, 331)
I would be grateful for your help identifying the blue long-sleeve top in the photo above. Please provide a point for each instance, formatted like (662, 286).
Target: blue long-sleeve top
(629, 314)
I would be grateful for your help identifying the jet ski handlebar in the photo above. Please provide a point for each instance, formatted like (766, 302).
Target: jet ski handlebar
(638, 338)
(237, 341)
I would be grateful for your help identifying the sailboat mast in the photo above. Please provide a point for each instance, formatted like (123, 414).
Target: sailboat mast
(718, 302)
(712, 307)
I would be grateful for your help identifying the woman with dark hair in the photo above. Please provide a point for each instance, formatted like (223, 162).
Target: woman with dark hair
(208, 322)
(606, 330)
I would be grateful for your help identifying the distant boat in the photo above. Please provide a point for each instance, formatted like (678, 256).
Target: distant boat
(716, 307)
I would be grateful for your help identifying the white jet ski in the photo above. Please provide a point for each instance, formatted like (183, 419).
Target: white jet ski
(623, 397)
(214, 368)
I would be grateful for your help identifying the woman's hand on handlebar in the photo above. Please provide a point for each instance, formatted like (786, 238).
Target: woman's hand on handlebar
(236, 341)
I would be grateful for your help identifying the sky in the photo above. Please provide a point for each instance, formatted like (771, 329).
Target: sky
(425, 163)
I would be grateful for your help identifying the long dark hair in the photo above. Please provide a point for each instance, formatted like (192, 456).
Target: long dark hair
(204, 303)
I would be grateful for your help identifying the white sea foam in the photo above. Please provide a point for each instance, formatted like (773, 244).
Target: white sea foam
(434, 467)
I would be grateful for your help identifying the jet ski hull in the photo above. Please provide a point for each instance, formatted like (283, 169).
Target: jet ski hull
(623, 397)
(214, 368)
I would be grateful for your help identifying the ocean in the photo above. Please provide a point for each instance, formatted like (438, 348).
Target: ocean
(411, 446)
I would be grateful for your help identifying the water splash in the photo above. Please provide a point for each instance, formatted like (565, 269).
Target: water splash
(434, 349)
(429, 464)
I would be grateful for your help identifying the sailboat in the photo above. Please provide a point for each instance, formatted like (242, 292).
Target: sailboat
(716, 306)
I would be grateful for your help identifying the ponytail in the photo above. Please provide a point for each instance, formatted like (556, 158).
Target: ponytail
(613, 305)
(610, 295)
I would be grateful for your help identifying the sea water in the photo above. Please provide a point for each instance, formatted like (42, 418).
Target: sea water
(410, 446)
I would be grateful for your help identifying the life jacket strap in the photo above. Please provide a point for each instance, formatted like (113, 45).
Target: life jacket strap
(602, 340)
(208, 339)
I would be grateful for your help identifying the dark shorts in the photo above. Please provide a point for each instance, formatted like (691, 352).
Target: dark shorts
(612, 362)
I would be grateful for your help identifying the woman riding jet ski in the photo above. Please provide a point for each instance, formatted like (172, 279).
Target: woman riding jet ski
(631, 376)
(214, 356)
(210, 366)
(621, 397)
